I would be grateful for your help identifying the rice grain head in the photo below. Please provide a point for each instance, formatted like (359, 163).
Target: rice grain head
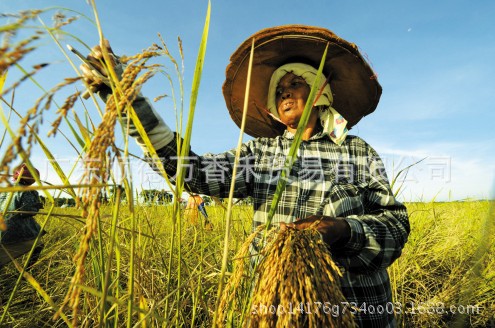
(296, 283)
(97, 163)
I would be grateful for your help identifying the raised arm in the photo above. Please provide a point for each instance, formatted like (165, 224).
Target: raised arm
(208, 174)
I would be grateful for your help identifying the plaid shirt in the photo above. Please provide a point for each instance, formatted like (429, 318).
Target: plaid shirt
(346, 181)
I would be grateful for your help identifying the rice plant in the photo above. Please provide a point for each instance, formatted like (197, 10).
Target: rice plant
(115, 262)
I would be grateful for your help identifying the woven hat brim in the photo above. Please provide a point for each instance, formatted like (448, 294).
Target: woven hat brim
(354, 85)
(26, 178)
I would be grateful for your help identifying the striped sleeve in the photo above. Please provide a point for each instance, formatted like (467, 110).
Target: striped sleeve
(211, 174)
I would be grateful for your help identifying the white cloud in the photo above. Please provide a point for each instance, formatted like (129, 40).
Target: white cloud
(449, 170)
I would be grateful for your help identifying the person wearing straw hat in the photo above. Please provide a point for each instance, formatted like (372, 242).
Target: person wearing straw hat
(20, 227)
(337, 179)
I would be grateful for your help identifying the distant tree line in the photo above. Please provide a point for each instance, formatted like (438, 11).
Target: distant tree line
(149, 196)
(154, 196)
(60, 201)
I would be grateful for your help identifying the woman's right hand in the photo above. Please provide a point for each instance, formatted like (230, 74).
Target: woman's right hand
(95, 74)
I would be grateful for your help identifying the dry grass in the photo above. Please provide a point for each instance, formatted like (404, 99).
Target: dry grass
(447, 262)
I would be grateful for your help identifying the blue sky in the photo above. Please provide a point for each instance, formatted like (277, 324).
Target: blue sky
(432, 59)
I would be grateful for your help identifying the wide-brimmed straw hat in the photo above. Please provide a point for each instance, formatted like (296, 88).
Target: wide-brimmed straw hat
(355, 88)
(24, 176)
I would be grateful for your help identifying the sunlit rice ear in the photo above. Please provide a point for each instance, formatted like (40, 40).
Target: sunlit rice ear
(295, 255)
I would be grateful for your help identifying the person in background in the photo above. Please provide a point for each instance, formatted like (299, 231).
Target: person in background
(196, 205)
(337, 182)
(19, 209)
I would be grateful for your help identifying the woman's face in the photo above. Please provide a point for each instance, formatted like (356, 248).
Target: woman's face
(290, 97)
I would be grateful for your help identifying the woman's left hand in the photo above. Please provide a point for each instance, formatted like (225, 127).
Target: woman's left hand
(335, 231)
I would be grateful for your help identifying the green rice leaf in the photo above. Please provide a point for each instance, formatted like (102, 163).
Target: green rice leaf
(84, 131)
(296, 142)
(194, 95)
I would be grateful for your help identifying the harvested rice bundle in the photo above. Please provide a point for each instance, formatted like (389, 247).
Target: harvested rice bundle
(297, 283)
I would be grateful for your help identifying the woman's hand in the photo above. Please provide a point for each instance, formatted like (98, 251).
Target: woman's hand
(335, 231)
(95, 73)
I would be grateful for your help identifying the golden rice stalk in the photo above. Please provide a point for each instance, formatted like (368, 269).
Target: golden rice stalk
(237, 288)
(97, 163)
(29, 125)
(11, 55)
(60, 20)
(296, 284)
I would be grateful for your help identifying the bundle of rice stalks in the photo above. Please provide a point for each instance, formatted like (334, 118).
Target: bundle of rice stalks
(296, 284)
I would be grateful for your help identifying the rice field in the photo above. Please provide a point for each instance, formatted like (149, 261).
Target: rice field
(446, 265)
(116, 263)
